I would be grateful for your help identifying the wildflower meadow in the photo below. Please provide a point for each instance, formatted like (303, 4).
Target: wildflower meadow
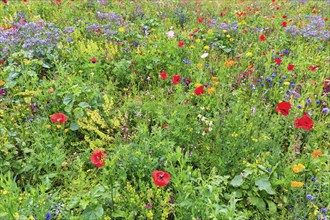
(164, 109)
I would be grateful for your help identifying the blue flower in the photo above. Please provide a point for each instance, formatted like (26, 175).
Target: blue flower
(324, 210)
(48, 215)
(310, 197)
(313, 179)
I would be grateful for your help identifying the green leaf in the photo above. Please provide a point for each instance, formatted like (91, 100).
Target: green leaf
(74, 126)
(97, 191)
(271, 206)
(264, 184)
(83, 104)
(74, 203)
(258, 202)
(78, 113)
(237, 181)
(93, 212)
(68, 99)
(3, 214)
(119, 214)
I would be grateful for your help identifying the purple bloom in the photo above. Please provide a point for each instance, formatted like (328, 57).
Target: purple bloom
(310, 197)
(148, 206)
(324, 210)
(48, 216)
(2, 92)
(313, 179)
(325, 110)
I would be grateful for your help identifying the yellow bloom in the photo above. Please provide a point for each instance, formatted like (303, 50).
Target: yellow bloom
(224, 31)
(234, 134)
(211, 90)
(2, 83)
(249, 54)
(58, 126)
(300, 166)
(192, 46)
(197, 85)
(206, 47)
(295, 169)
(4, 192)
(216, 83)
(229, 63)
(286, 83)
(228, 36)
(16, 215)
(295, 184)
(121, 29)
(31, 217)
(47, 126)
(214, 78)
(198, 40)
(231, 39)
(199, 65)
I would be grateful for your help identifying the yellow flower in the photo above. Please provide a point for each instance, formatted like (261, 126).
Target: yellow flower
(228, 36)
(224, 31)
(121, 29)
(295, 184)
(66, 130)
(199, 65)
(286, 83)
(58, 126)
(249, 54)
(47, 126)
(2, 83)
(229, 63)
(214, 78)
(198, 40)
(31, 217)
(300, 166)
(295, 169)
(211, 90)
(206, 47)
(192, 46)
(234, 134)
(197, 85)
(231, 39)
(16, 215)
(210, 31)
(216, 83)
(4, 192)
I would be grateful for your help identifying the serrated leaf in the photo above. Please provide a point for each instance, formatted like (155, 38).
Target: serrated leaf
(264, 184)
(93, 212)
(237, 181)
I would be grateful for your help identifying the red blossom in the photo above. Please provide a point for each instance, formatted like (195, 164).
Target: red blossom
(199, 90)
(200, 20)
(304, 122)
(161, 178)
(180, 44)
(262, 38)
(283, 108)
(94, 60)
(313, 68)
(58, 117)
(278, 61)
(284, 24)
(163, 75)
(98, 158)
(176, 79)
(290, 67)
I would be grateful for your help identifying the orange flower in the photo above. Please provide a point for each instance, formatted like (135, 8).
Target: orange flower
(297, 168)
(317, 153)
(229, 63)
(295, 184)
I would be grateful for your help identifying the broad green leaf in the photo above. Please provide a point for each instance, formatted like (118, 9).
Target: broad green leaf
(258, 202)
(237, 181)
(271, 206)
(74, 126)
(83, 104)
(264, 184)
(94, 212)
(68, 99)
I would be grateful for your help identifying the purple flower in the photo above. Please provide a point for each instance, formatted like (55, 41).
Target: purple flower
(324, 210)
(313, 179)
(148, 206)
(310, 197)
(2, 92)
(48, 216)
(325, 110)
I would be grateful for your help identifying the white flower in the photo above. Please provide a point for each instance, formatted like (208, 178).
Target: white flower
(170, 34)
(204, 55)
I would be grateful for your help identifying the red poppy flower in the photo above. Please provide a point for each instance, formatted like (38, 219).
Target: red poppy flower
(181, 44)
(94, 60)
(278, 61)
(262, 38)
(199, 90)
(200, 20)
(290, 67)
(304, 122)
(313, 68)
(163, 75)
(161, 178)
(98, 158)
(176, 79)
(58, 117)
(284, 16)
(283, 108)
(284, 24)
